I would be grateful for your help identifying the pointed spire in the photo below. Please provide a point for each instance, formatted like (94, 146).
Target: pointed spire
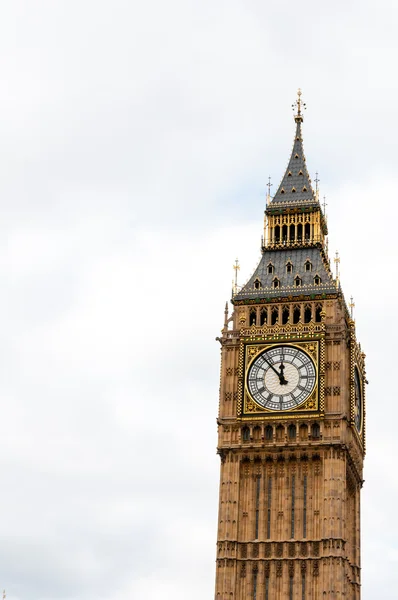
(295, 187)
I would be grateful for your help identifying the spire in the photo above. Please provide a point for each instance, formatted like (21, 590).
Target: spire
(295, 187)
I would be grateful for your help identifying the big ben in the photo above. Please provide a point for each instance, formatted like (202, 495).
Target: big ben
(291, 424)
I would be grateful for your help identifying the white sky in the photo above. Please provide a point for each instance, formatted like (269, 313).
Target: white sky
(136, 140)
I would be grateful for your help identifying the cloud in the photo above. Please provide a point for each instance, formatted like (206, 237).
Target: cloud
(136, 144)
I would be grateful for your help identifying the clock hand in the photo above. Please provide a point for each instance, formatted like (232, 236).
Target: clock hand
(281, 376)
(272, 367)
(282, 380)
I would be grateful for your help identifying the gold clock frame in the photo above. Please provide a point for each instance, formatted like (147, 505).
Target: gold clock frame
(357, 361)
(313, 406)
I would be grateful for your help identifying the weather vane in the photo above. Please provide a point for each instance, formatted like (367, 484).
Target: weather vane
(299, 105)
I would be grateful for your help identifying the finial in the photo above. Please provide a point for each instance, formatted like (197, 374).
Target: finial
(269, 186)
(352, 306)
(236, 268)
(324, 205)
(300, 106)
(317, 180)
(337, 261)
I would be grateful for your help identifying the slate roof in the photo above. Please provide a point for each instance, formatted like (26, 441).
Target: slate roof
(295, 187)
(287, 287)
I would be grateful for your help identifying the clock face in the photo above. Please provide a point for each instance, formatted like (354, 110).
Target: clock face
(281, 378)
(358, 401)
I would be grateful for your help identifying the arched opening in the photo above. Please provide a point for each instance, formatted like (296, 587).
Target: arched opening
(276, 282)
(285, 315)
(253, 317)
(317, 280)
(263, 316)
(274, 316)
(292, 231)
(277, 233)
(296, 315)
(270, 269)
(289, 267)
(269, 434)
(307, 314)
(292, 432)
(245, 434)
(284, 233)
(257, 433)
(307, 231)
(299, 232)
(303, 432)
(315, 430)
(297, 281)
(318, 316)
(308, 265)
(280, 433)
(257, 284)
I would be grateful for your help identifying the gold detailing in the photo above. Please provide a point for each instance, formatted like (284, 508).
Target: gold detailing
(281, 332)
(294, 228)
(246, 406)
(336, 260)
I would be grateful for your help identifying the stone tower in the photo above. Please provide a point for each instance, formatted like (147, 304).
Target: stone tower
(291, 414)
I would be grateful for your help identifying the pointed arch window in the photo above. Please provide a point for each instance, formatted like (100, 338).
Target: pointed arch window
(270, 269)
(289, 267)
(285, 315)
(318, 316)
(253, 317)
(293, 189)
(298, 281)
(276, 283)
(315, 430)
(317, 280)
(296, 314)
(289, 174)
(304, 189)
(263, 316)
(257, 284)
(296, 156)
(307, 313)
(291, 431)
(274, 316)
(299, 232)
(300, 172)
(282, 191)
(245, 434)
(269, 433)
(308, 265)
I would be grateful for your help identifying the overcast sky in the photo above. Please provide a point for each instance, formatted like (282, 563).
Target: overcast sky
(136, 141)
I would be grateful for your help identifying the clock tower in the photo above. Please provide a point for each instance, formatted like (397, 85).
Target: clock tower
(291, 424)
